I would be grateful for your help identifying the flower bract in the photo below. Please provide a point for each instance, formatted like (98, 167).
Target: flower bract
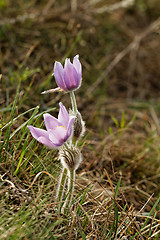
(70, 158)
(68, 78)
(58, 130)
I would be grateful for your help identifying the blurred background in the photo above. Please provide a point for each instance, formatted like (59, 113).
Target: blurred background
(116, 41)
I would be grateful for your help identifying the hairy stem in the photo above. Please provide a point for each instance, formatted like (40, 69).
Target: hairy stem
(73, 101)
(71, 180)
(60, 191)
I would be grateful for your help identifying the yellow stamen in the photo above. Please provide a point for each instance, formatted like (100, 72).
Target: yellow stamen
(60, 126)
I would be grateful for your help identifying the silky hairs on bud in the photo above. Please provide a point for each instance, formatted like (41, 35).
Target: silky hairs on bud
(70, 158)
(78, 126)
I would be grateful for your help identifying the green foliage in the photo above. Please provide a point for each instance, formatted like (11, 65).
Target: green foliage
(23, 74)
(3, 4)
(121, 125)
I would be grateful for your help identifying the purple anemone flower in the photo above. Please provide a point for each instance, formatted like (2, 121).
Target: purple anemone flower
(58, 130)
(68, 78)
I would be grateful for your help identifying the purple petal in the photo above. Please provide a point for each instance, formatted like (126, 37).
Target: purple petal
(50, 121)
(70, 76)
(37, 132)
(59, 75)
(52, 137)
(69, 127)
(41, 136)
(47, 142)
(77, 65)
(58, 136)
(63, 116)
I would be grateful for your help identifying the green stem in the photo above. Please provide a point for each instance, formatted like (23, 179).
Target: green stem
(73, 101)
(71, 180)
(61, 187)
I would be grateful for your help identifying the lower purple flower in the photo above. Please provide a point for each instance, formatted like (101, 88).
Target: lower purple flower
(58, 130)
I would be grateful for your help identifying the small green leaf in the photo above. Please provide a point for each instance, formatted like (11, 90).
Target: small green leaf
(115, 121)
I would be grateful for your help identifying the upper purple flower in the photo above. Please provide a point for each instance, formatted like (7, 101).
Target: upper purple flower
(68, 78)
(58, 130)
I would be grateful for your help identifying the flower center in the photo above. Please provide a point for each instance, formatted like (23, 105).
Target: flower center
(59, 126)
(62, 127)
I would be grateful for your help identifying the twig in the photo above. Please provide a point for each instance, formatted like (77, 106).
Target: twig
(73, 5)
(155, 118)
(19, 18)
(5, 180)
(115, 6)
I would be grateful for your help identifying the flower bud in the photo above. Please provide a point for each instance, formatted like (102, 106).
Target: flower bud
(78, 126)
(69, 77)
(70, 158)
